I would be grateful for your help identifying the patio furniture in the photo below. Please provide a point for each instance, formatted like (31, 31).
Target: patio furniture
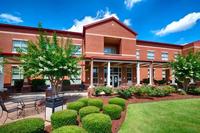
(32, 102)
(10, 107)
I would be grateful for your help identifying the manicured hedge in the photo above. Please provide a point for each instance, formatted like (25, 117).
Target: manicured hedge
(30, 125)
(95, 102)
(97, 123)
(75, 105)
(119, 101)
(113, 110)
(70, 129)
(88, 110)
(63, 118)
(84, 100)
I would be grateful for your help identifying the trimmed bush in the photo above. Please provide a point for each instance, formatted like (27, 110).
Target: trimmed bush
(75, 105)
(113, 110)
(107, 90)
(70, 129)
(84, 100)
(88, 110)
(124, 93)
(97, 123)
(95, 102)
(118, 101)
(98, 90)
(30, 125)
(63, 118)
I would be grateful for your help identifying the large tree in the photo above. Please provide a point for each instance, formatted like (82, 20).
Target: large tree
(52, 58)
(187, 68)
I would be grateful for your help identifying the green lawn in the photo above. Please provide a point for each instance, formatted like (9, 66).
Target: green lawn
(178, 116)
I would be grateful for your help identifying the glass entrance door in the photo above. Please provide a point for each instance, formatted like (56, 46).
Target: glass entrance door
(114, 80)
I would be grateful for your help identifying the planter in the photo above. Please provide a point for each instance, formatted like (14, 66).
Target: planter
(53, 104)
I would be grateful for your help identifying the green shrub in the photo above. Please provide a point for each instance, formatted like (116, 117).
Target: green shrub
(30, 125)
(113, 110)
(161, 91)
(194, 91)
(84, 100)
(63, 118)
(97, 123)
(107, 90)
(88, 110)
(124, 93)
(143, 90)
(69, 129)
(118, 101)
(75, 105)
(95, 102)
(98, 90)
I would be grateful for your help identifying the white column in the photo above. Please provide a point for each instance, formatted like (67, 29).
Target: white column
(150, 74)
(91, 74)
(108, 74)
(138, 73)
(1, 74)
(173, 78)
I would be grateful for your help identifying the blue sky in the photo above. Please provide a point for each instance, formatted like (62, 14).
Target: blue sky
(171, 21)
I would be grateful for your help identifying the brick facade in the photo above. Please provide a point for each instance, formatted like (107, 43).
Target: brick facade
(93, 40)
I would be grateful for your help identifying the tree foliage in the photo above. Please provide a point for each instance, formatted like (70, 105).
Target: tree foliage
(187, 68)
(52, 58)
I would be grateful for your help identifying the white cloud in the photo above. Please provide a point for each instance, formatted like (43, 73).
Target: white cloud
(9, 18)
(130, 3)
(78, 24)
(127, 22)
(181, 25)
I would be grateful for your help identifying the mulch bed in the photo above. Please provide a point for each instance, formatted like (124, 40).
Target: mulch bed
(116, 124)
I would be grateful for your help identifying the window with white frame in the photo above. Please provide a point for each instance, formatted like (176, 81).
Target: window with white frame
(17, 73)
(150, 55)
(164, 56)
(78, 50)
(137, 54)
(19, 44)
(163, 73)
(129, 74)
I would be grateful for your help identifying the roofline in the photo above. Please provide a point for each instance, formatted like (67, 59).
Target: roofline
(104, 21)
(162, 43)
(36, 28)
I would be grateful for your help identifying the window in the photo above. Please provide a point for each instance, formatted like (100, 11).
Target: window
(163, 73)
(78, 50)
(164, 56)
(175, 55)
(137, 54)
(110, 50)
(95, 75)
(150, 55)
(19, 44)
(17, 73)
(129, 74)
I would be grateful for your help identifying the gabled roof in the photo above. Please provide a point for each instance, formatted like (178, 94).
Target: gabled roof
(105, 21)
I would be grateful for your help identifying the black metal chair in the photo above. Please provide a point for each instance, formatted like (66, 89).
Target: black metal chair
(12, 106)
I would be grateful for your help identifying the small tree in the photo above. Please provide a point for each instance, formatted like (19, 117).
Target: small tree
(50, 58)
(187, 68)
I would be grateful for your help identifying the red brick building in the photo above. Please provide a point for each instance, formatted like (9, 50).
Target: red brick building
(112, 53)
